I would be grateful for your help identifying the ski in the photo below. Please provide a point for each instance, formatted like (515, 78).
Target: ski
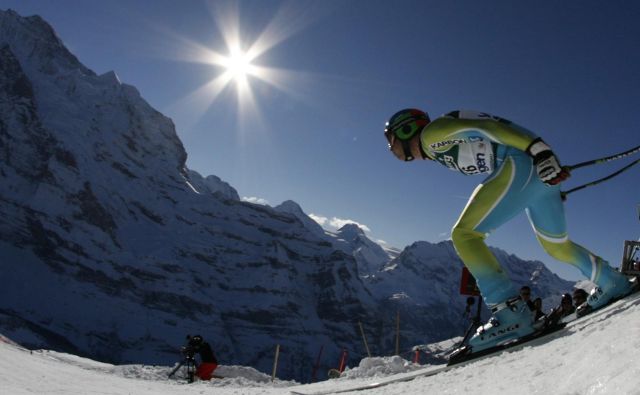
(567, 322)
(539, 338)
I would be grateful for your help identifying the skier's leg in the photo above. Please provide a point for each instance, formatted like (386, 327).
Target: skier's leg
(547, 217)
(497, 200)
(493, 203)
(548, 221)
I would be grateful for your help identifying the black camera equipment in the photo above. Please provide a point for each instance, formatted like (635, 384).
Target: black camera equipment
(188, 361)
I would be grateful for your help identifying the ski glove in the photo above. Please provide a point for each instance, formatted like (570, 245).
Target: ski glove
(546, 163)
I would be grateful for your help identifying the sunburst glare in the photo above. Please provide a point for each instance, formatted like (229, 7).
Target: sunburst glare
(239, 63)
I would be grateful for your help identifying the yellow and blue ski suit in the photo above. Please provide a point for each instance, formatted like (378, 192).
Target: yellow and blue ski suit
(478, 143)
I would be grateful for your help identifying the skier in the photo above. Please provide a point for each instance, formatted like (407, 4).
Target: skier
(523, 173)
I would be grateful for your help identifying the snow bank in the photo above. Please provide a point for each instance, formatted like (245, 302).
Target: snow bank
(380, 366)
(233, 376)
(70, 374)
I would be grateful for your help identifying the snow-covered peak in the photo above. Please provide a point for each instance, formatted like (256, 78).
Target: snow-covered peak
(439, 269)
(370, 256)
(97, 119)
(351, 232)
(213, 185)
(110, 77)
(291, 207)
(419, 249)
(33, 38)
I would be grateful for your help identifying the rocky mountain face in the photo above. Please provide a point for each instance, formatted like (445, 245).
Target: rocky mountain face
(370, 256)
(111, 247)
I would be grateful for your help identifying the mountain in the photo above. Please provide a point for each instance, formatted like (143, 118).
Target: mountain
(110, 247)
(370, 256)
(423, 284)
(294, 208)
(212, 185)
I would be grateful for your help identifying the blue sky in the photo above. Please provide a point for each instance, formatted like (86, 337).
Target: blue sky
(567, 70)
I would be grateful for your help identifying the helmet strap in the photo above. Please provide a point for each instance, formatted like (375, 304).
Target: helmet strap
(408, 156)
(423, 153)
(406, 147)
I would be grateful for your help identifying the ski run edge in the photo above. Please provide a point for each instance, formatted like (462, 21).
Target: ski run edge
(619, 305)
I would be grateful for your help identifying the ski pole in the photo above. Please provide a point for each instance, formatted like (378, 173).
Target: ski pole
(605, 159)
(598, 181)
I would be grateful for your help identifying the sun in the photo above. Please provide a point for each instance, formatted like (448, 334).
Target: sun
(238, 65)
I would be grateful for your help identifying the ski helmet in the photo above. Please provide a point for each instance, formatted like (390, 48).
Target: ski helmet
(403, 126)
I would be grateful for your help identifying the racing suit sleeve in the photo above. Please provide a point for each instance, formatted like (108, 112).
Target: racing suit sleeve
(450, 129)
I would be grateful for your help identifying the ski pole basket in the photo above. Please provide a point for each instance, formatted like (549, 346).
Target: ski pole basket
(631, 258)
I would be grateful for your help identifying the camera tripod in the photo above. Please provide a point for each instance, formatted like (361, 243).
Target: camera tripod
(189, 363)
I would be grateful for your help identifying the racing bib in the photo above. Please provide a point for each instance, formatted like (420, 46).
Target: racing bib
(473, 157)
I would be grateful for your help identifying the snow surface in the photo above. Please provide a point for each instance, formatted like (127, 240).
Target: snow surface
(598, 355)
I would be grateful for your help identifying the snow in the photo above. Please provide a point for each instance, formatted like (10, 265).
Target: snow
(380, 367)
(598, 355)
(52, 372)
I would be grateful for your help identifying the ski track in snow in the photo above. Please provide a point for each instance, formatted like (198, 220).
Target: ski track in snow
(596, 356)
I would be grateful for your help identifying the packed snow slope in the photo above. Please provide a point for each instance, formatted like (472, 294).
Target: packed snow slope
(598, 355)
(111, 248)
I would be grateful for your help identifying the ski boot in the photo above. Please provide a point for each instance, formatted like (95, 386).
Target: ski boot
(511, 320)
(611, 285)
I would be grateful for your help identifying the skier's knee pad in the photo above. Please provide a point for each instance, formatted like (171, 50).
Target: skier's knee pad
(563, 251)
(462, 237)
(462, 234)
